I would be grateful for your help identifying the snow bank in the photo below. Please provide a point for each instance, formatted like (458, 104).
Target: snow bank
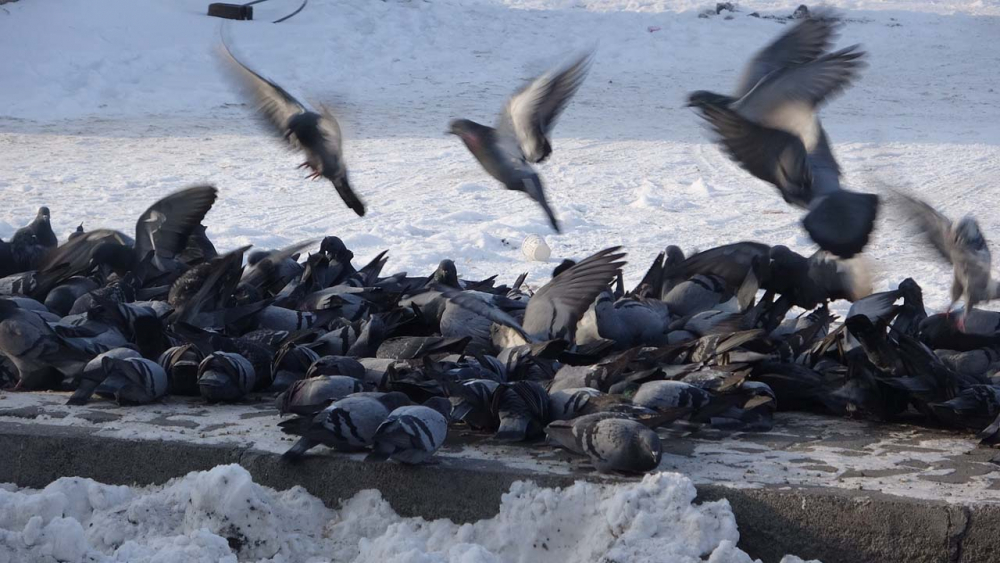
(221, 515)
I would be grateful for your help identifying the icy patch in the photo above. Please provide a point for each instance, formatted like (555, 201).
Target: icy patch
(221, 515)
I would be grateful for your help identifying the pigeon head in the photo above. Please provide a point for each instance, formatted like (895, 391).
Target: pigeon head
(911, 290)
(77, 233)
(471, 133)
(968, 235)
(446, 274)
(703, 98)
(674, 256)
(336, 249)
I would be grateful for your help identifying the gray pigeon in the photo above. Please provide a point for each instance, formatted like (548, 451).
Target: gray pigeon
(629, 321)
(471, 403)
(554, 311)
(31, 243)
(613, 442)
(93, 374)
(771, 128)
(181, 364)
(161, 234)
(315, 134)
(412, 434)
(225, 376)
(39, 354)
(132, 381)
(521, 135)
(567, 404)
(964, 247)
(311, 395)
(347, 425)
(668, 395)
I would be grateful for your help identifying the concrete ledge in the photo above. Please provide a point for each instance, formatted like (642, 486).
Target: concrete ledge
(828, 524)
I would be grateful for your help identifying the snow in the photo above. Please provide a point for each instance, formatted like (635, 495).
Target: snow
(107, 106)
(221, 515)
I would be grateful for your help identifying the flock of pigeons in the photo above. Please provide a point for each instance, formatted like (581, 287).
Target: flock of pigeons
(387, 363)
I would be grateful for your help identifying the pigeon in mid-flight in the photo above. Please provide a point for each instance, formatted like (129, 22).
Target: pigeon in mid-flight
(315, 134)
(521, 134)
(962, 244)
(770, 127)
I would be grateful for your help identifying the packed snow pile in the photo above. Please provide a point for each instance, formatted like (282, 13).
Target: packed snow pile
(221, 515)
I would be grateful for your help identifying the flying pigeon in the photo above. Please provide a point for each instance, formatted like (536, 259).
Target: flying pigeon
(962, 244)
(771, 128)
(521, 134)
(315, 134)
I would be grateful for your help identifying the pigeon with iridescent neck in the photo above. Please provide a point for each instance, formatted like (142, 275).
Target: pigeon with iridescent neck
(521, 134)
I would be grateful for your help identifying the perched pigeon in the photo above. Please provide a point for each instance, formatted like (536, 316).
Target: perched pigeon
(471, 402)
(161, 234)
(666, 395)
(315, 134)
(613, 442)
(771, 128)
(347, 425)
(308, 396)
(554, 311)
(31, 243)
(225, 376)
(181, 364)
(94, 374)
(39, 353)
(521, 134)
(962, 244)
(412, 434)
(132, 381)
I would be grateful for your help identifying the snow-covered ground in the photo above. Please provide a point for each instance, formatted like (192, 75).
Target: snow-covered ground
(106, 106)
(220, 515)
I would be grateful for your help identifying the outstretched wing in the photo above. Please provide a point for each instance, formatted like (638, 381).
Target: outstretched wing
(275, 104)
(530, 113)
(808, 40)
(164, 228)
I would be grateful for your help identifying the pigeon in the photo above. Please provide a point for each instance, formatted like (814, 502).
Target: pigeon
(39, 353)
(962, 244)
(471, 402)
(94, 374)
(554, 311)
(521, 134)
(132, 381)
(31, 243)
(348, 425)
(317, 135)
(309, 396)
(667, 395)
(567, 404)
(522, 408)
(770, 127)
(225, 377)
(412, 434)
(629, 321)
(181, 364)
(161, 233)
(613, 442)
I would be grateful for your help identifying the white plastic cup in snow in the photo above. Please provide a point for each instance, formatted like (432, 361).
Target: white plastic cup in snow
(534, 248)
